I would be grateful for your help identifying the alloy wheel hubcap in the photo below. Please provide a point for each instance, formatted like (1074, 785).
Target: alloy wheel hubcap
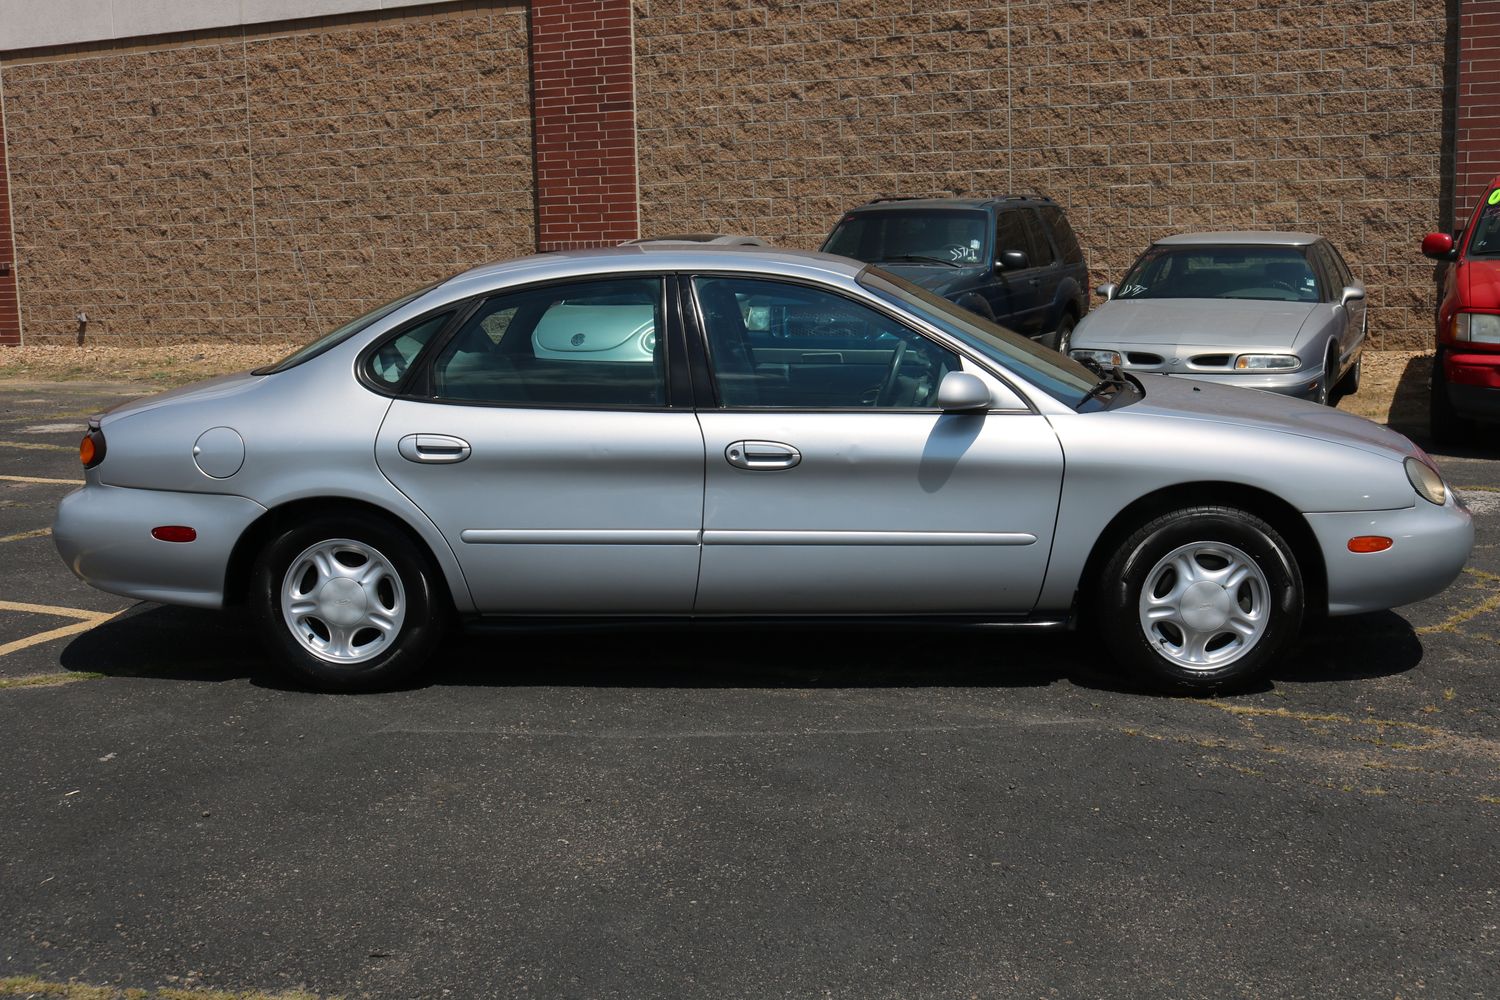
(1205, 605)
(343, 601)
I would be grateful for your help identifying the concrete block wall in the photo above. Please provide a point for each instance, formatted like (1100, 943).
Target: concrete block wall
(1142, 117)
(266, 182)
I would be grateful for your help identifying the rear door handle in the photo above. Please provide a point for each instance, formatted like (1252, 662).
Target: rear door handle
(434, 449)
(762, 455)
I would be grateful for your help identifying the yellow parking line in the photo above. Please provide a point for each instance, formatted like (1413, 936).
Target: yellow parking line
(22, 535)
(34, 479)
(52, 609)
(37, 446)
(56, 633)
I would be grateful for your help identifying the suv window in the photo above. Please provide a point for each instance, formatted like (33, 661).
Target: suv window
(1062, 232)
(775, 344)
(956, 237)
(1041, 248)
(585, 344)
(1010, 233)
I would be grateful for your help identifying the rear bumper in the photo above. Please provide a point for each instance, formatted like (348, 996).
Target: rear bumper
(103, 533)
(1430, 546)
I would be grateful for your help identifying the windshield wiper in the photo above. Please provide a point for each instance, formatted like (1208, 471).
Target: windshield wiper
(919, 258)
(1109, 378)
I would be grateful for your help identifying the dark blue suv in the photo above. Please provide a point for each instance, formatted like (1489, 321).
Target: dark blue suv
(1013, 260)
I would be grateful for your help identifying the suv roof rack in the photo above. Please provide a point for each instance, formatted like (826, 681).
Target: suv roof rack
(957, 194)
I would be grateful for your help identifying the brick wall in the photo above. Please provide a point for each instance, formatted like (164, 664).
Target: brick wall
(584, 124)
(1477, 147)
(1142, 117)
(10, 306)
(267, 182)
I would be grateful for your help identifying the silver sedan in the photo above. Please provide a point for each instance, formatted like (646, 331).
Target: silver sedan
(705, 433)
(1276, 311)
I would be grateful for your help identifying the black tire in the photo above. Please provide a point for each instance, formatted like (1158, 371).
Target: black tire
(1349, 384)
(1443, 421)
(1325, 396)
(1159, 656)
(407, 580)
(1062, 337)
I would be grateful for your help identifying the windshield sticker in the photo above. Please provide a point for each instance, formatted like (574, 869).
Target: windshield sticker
(1132, 289)
(1495, 197)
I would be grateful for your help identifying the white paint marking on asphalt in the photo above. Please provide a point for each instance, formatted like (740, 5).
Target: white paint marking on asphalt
(68, 428)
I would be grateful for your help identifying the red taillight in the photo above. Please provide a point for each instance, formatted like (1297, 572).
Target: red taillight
(1369, 543)
(174, 533)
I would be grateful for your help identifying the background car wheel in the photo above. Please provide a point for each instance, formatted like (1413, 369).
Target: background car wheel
(1201, 599)
(347, 603)
(1444, 423)
(1349, 384)
(1062, 339)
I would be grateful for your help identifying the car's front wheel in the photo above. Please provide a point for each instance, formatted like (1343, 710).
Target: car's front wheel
(347, 603)
(1201, 599)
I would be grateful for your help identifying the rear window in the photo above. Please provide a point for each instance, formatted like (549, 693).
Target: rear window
(339, 334)
(911, 237)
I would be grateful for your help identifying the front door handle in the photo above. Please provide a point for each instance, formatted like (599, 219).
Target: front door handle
(762, 455)
(433, 449)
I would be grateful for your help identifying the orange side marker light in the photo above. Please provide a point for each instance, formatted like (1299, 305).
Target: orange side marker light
(1369, 543)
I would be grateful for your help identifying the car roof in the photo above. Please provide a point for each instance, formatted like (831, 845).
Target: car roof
(656, 257)
(1243, 237)
(938, 202)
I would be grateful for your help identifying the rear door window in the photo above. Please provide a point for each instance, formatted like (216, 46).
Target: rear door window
(1040, 248)
(1062, 232)
(587, 344)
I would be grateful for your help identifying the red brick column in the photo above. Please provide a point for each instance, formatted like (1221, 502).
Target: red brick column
(1477, 146)
(583, 123)
(10, 306)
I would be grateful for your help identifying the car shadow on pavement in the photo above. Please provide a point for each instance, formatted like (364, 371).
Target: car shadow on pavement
(186, 644)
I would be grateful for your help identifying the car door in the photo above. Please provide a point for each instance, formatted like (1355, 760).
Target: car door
(543, 443)
(1022, 287)
(834, 486)
(1357, 309)
(1048, 272)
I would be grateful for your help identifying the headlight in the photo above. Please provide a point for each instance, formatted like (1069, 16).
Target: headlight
(1426, 481)
(1109, 359)
(1477, 328)
(1267, 362)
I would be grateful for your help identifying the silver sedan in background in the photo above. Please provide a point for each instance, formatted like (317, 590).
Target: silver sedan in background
(1265, 310)
(688, 434)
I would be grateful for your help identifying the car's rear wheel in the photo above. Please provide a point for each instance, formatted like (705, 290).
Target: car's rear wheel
(1201, 599)
(346, 603)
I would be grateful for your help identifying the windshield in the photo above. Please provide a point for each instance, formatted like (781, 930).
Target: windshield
(910, 237)
(1060, 377)
(338, 335)
(1486, 239)
(1277, 274)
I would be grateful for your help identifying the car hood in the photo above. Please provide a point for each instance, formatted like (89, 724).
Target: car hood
(1194, 323)
(1479, 282)
(1240, 407)
(221, 387)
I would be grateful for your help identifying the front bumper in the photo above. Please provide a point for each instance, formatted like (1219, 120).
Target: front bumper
(1473, 384)
(103, 533)
(1299, 384)
(1430, 546)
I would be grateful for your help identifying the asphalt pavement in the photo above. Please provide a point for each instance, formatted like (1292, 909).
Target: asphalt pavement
(733, 813)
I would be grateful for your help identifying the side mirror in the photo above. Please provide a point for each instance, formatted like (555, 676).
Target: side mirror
(1107, 291)
(1350, 294)
(962, 392)
(1438, 246)
(1013, 260)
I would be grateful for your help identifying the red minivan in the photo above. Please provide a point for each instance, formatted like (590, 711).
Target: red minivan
(1466, 372)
